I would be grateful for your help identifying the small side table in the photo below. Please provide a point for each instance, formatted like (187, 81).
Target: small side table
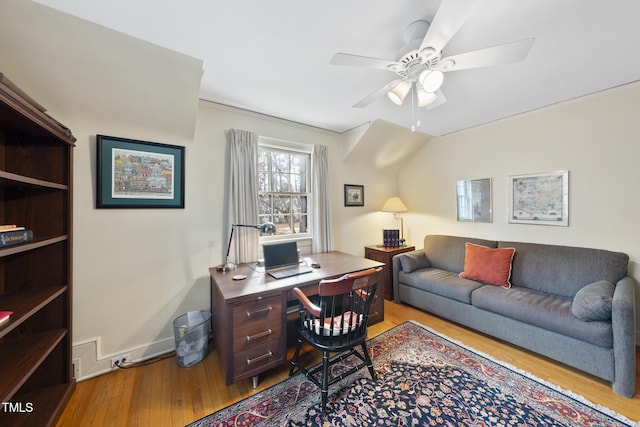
(385, 254)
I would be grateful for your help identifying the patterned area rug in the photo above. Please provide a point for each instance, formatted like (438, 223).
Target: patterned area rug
(425, 379)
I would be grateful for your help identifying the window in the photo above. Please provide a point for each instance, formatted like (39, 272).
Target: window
(284, 191)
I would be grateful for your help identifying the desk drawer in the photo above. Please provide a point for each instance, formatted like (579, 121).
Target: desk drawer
(255, 360)
(379, 256)
(376, 311)
(257, 322)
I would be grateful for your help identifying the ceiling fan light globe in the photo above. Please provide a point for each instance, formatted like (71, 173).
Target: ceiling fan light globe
(431, 80)
(399, 92)
(395, 98)
(425, 98)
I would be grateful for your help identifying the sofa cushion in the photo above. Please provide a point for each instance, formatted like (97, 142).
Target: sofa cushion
(563, 270)
(593, 302)
(551, 312)
(488, 265)
(448, 252)
(441, 282)
(411, 261)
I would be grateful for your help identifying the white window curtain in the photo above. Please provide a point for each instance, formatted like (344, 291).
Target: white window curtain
(322, 225)
(243, 194)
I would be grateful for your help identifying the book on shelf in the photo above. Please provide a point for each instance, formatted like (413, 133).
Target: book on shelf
(10, 227)
(4, 316)
(10, 238)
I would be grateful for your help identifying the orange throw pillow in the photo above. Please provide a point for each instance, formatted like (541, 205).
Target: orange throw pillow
(488, 265)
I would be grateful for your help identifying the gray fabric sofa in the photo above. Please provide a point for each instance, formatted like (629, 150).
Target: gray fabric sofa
(551, 286)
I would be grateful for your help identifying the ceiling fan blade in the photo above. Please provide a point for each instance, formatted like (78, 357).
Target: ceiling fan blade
(378, 93)
(502, 54)
(446, 22)
(363, 61)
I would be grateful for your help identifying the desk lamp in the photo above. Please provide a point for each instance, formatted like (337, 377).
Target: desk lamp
(266, 228)
(395, 206)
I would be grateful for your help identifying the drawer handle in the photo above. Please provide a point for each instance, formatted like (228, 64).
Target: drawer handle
(259, 358)
(261, 311)
(260, 335)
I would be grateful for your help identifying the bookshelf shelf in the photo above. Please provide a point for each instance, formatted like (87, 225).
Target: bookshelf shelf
(9, 179)
(35, 244)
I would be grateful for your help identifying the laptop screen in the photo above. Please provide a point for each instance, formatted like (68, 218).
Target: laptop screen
(280, 255)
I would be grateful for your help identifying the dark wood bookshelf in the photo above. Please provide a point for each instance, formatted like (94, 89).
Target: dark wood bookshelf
(36, 159)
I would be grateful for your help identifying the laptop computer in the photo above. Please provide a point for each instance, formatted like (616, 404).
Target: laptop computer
(281, 260)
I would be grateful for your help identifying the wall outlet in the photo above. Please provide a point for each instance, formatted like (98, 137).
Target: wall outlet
(75, 364)
(120, 360)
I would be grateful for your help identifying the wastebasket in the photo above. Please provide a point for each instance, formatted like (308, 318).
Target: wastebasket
(191, 331)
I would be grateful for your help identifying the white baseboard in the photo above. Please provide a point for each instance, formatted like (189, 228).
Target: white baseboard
(94, 363)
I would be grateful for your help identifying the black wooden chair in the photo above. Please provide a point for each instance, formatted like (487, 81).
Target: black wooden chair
(336, 322)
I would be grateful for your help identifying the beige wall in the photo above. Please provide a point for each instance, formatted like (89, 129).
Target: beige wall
(594, 138)
(136, 270)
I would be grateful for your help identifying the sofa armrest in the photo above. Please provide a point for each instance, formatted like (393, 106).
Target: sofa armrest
(396, 264)
(623, 321)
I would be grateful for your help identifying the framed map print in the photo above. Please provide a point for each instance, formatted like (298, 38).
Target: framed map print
(541, 198)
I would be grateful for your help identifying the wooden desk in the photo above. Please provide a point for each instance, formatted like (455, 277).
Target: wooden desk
(250, 315)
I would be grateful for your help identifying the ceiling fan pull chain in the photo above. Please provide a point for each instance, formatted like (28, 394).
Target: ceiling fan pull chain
(415, 119)
(413, 107)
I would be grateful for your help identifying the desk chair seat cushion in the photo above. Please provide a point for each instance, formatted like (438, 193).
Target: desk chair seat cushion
(340, 327)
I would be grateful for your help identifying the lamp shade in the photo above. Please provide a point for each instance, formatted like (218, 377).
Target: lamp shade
(394, 204)
(425, 98)
(397, 94)
(267, 228)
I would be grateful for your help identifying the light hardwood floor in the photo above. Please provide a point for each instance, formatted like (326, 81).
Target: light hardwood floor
(163, 394)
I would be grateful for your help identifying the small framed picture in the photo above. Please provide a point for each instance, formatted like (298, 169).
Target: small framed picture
(353, 195)
(139, 174)
(474, 200)
(541, 198)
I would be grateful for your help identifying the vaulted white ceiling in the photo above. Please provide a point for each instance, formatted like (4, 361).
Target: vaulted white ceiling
(272, 57)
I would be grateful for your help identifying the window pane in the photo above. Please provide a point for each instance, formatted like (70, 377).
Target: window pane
(263, 159)
(299, 204)
(299, 163)
(281, 205)
(282, 224)
(280, 183)
(264, 183)
(280, 161)
(300, 223)
(264, 218)
(264, 204)
(298, 183)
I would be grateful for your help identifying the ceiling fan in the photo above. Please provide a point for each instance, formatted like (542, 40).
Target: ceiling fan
(420, 64)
